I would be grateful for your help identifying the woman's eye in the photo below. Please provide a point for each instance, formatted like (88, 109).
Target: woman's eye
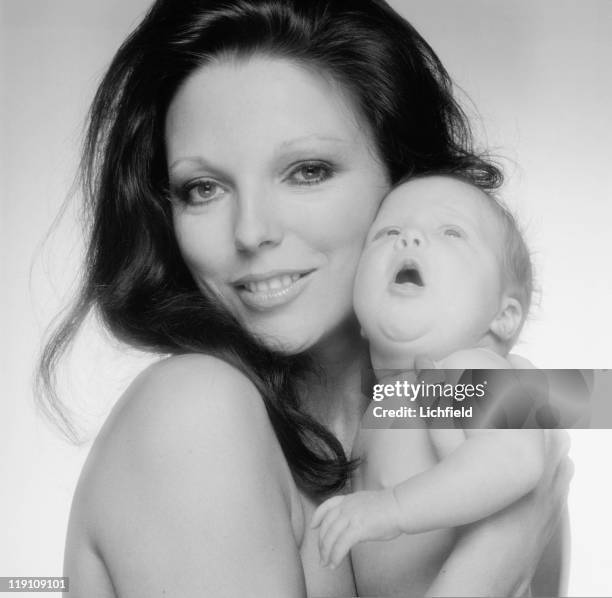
(310, 173)
(202, 192)
(451, 231)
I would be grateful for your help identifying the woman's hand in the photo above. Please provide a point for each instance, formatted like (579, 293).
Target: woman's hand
(498, 556)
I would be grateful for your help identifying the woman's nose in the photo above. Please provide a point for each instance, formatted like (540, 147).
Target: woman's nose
(257, 224)
(409, 238)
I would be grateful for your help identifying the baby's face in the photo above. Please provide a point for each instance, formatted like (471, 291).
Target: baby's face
(429, 281)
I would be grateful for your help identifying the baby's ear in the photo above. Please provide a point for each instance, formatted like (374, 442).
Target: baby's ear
(508, 320)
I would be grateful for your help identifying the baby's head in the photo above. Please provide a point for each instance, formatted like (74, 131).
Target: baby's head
(444, 268)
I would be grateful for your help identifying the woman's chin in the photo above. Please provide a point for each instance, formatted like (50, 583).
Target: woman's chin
(329, 342)
(287, 342)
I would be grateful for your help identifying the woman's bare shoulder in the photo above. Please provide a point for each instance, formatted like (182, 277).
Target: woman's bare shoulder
(192, 385)
(176, 467)
(177, 408)
(190, 379)
(182, 403)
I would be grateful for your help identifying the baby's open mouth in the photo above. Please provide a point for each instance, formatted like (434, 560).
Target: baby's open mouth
(409, 274)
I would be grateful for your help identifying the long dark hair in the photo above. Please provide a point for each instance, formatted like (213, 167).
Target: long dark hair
(134, 274)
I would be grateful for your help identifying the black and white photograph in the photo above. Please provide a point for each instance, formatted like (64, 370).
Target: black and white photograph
(306, 298)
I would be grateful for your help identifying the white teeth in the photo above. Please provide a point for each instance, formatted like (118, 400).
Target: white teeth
(277, 283)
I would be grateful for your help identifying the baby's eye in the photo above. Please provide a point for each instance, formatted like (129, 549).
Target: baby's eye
(310, 173)
(453, 231)
(388, 231)
(202, 192)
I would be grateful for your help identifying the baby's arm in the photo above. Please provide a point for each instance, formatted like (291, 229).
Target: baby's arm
(485, 473)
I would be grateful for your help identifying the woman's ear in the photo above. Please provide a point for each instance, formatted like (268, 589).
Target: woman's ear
(508, 320)
(362, 332)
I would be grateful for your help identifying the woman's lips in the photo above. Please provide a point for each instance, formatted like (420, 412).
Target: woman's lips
(271, 290)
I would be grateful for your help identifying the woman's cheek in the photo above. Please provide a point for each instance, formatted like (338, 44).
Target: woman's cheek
(351, 225)
(203, 246)
(365, 298)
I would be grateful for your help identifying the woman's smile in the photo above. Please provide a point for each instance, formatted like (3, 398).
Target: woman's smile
(271, 290)
(275, 181)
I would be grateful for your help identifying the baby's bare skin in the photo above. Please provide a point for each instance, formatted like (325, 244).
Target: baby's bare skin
(434, 281)
(411, 562)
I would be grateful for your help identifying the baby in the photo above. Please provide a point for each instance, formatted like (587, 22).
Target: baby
(445, 275)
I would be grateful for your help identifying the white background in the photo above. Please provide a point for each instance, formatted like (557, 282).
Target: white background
(539, 73)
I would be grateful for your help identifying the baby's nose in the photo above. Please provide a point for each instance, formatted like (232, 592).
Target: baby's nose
(401, 242)
(409, 238)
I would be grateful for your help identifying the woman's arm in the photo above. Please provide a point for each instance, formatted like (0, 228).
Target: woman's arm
(186, 490)
(498, 556)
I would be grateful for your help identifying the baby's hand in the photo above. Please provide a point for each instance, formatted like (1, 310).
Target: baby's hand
(346, 520)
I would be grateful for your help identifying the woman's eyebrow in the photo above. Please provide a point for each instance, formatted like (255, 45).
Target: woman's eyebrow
(306, 139)
(285, 146)
(194, 161)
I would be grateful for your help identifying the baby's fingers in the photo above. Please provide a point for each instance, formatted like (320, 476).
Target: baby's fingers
(328, 539)
(323, 509)
(346, 540)
(330, 518)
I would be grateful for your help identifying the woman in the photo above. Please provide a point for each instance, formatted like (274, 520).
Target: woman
(236, 155)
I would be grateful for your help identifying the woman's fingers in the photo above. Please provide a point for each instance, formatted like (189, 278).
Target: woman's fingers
(563, 477)
(561, 441)
(566, 470)
(550, 502)
(550, 498)
(323, 509)
(557, 444)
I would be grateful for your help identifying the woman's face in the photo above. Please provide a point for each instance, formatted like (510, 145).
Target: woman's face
(275, 182)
